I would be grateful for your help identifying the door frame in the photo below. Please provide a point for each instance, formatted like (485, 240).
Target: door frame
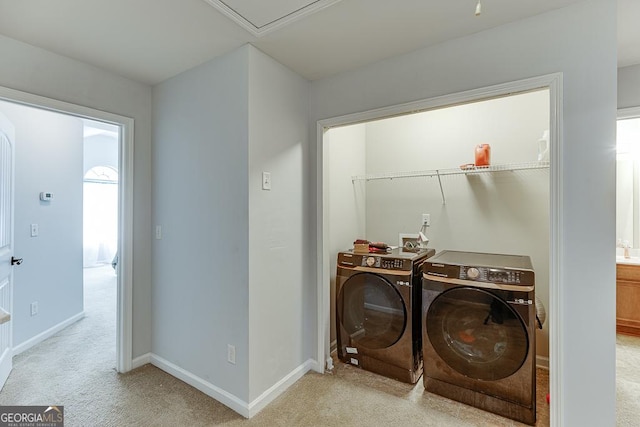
(6, 354)
(124, 316)
(552, 82)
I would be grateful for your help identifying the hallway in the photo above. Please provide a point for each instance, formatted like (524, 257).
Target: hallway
(76, 357)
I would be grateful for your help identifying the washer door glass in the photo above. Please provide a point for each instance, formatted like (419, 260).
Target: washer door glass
(477, 334)
(372, 311)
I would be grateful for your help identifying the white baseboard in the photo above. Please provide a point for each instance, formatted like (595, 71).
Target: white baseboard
(243, 408)
(317, 367)
(5, 366)
(46, 334)
(278, 388)
(141, 361)
(224, 397)
(542, 362)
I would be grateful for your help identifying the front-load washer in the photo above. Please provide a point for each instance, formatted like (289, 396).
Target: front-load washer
(378, 312)
(479, 329)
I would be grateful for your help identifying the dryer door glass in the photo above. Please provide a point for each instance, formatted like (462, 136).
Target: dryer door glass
(372, 311)
(477, 333)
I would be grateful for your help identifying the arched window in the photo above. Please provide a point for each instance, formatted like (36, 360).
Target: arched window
(102, 175)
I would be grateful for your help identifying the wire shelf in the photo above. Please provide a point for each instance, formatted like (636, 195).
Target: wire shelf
(467, 170)
(509, 167)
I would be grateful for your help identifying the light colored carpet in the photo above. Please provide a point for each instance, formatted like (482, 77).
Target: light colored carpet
(627, 381)
(75, 368)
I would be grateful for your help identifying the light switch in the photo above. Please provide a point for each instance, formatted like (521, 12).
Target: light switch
(266, 180)
(34, 230)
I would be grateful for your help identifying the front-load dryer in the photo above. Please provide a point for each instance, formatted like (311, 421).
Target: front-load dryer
(378, 312)
(479, 331)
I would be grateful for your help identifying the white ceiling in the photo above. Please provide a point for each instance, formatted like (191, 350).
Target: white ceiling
(152, 40)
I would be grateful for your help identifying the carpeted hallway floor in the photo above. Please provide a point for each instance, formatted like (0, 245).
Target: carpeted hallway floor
(75, 369)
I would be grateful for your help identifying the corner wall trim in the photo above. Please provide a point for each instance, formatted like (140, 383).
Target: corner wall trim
(243, 408)
(224, 397)
(26, 345)
(278, 388)
(141, 361)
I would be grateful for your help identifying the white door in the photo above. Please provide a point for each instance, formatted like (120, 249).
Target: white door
(6, 245)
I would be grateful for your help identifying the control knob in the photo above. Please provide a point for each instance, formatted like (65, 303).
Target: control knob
(371, 261)
(473, 273)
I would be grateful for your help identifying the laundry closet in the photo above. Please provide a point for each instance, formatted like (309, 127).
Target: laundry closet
(383, 175)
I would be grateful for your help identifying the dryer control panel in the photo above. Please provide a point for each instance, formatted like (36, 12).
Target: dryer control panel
(374, 261)
(391, 261)
(392, 264)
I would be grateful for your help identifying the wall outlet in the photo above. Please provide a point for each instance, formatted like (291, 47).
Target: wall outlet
(34, 308)
(231, 353)
(426, 219)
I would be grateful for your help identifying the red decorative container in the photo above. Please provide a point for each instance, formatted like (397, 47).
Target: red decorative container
(483, 155)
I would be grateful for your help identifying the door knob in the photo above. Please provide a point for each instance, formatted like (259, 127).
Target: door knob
(16, 261)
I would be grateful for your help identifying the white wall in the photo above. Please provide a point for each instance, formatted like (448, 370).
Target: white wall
(200, 198)
(580, 42)
(278, 331)
(345, 149)
(626, 202)
(100, 150)
(629, 86)
(37, 71)
(241, 253)
(48, 157)
(506, 212)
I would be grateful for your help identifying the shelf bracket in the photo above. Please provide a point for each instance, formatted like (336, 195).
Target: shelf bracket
(441, 190)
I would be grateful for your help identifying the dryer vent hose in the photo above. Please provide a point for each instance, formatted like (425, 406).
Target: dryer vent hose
(541, 313)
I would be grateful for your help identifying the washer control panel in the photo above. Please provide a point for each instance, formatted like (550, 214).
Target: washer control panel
(493, 275)
(481, 267)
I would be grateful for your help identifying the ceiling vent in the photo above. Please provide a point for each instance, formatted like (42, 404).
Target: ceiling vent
(262, 17)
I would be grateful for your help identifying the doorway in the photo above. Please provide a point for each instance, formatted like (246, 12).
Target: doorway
(48, 319)
(627, 265)
(100, 193)
(380, 190)
(100, 189)
(552, 83)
